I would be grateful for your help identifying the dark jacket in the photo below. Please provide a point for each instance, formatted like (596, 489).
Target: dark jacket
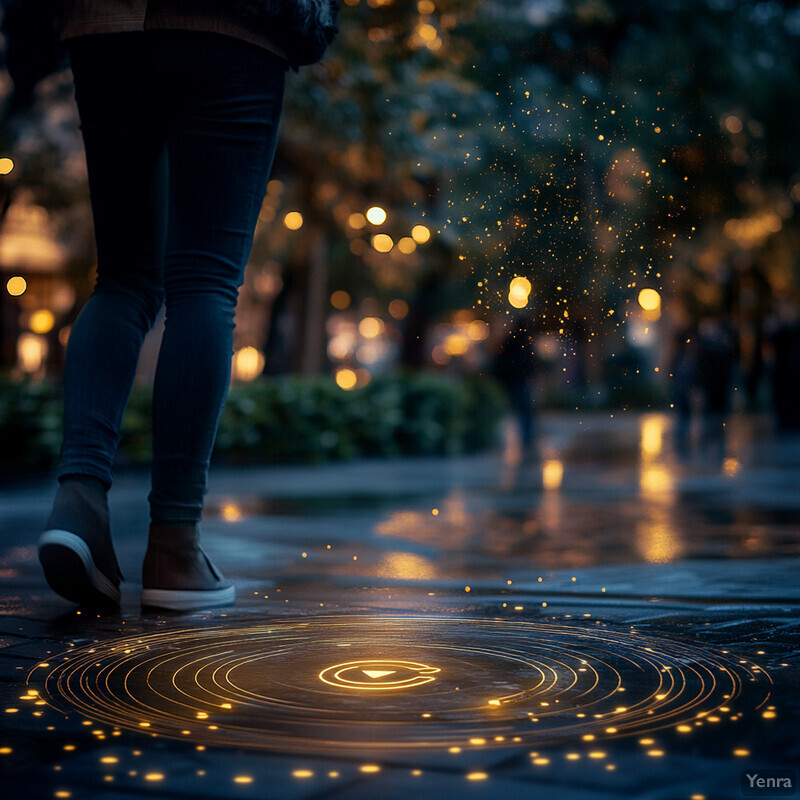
(85, 17)
(296, 30)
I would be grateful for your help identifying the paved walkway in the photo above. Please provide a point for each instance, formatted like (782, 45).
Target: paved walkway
(594, 620)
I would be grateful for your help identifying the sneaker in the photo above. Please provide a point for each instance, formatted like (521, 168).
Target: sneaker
(76, 551)
(177, 575)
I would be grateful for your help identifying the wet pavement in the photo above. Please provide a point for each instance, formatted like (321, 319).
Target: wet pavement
(593, 620)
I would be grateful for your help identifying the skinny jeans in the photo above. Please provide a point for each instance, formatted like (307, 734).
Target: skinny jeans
(180, 129)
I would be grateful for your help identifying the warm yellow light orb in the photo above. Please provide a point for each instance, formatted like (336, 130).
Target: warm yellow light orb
(42, 321)
(340, 300)
(382, 242)
(6, 165)
(293, 220)
(346, 379)
(427, 32)
(376, 215)
(649, 299)
(357, 221)
(456, 344)
(16, 286)
(420, 234)
(406, 245)
(520, 284)
(370, 327)
(518, 292)
(248, 362)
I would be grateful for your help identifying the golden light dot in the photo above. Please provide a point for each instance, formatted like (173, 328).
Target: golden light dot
(382, 242)
(572, 756)
(655, 753)
(649, 299)
(454, 750)
(477, 776)
(540, 762)
(477, 741)
(340, 300)
(12, 710)
(42, 321)
(62, 793)
(406, 245)
(588, 737)
(427, 32)
(435, 512)
(552, 475)
(684, 728)
(346, 379)
(6, 165)
(398, 309)
(420, 234)
(16, 286)
(416, 772)
(647, 741)
(333, 774)
(302, 773)
(369, 768)
(154, 776)
(4, 751)
(741, 752)
(231, 512)
(371, 327)
(293, 220)
(597, 754)
(357, 221)
(243, 779)
(376, 215)
(109, 760)
(69, 747)
(248, 363)
(468, 589)
(769, 715)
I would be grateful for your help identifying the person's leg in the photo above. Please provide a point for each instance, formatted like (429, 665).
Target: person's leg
(126, 168)
(221, 142)
(127, 180)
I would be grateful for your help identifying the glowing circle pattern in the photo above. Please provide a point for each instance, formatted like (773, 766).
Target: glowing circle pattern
(493, 682)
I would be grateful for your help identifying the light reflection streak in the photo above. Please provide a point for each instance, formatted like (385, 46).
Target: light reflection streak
(259, 686)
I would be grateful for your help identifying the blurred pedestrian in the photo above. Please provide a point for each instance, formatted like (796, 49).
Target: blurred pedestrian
(716, 360)
(179, 103)
(684, 371)
(515, 367)
(784, 334)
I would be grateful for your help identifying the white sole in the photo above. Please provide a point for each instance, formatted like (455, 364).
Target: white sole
(57, 551)
(188, 599)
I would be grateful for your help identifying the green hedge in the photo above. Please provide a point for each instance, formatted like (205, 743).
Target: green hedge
(286, 419)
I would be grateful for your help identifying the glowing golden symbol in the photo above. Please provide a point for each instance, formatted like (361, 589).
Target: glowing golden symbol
(383, 674)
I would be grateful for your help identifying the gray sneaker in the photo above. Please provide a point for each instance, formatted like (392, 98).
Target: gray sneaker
(76, 551)
(177, 575)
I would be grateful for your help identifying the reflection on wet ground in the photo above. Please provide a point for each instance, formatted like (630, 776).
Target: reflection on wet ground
(596, 620)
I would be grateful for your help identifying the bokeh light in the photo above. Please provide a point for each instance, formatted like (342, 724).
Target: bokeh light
(293, 220)
(42, 321)
(376, 215)
(16, 286)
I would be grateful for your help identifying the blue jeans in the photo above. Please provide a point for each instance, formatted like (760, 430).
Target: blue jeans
(180, 129)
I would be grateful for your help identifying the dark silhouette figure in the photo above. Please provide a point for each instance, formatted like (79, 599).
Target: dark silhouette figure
(716, 359)
(515, 367)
